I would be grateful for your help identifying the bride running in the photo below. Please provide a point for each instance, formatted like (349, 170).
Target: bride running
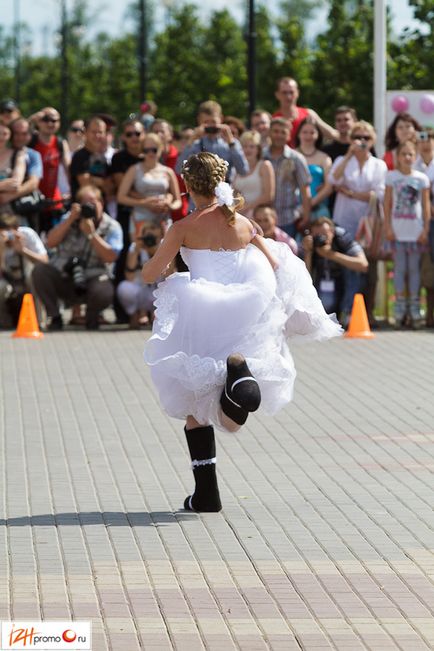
(219, 343)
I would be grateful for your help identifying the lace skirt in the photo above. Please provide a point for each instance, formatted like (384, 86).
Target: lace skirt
(198, 323)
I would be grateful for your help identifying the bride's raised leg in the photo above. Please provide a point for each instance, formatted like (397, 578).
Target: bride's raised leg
(201, 444)
(241, 394)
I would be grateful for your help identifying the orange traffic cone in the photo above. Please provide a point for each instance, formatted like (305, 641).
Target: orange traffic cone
(359, 324)
(28, 323)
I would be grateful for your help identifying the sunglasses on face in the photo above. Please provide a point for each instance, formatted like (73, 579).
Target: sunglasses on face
(76, 129)
(357, 137)
(150, 150)
(132, 134)
(47, 119)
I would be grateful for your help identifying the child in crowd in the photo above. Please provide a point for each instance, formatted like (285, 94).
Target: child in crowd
(407, 218)
(266, 217)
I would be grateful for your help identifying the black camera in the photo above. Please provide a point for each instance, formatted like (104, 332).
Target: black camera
(319, 241)
(75, 269)
(88, 211)
(213, 130)
(149, 239)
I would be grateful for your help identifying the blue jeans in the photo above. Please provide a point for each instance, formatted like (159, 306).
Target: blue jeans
(407, 262)
(352, 284)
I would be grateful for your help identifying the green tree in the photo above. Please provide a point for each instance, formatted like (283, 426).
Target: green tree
(342, 64)
(178, 69)
(410, 62)
(266, 60)
(226, 56)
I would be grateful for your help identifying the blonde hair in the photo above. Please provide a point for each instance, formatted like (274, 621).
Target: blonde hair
(210, 107)
(255, 138)
(85, 189)
(155, 139)
(202, 173)
(366, 126)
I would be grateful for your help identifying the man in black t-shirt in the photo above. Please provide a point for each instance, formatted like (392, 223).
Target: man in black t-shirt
(329, 251)
(133, 135)
(89, 165)
(345, 118)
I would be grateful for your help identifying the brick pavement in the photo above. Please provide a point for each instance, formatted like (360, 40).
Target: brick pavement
(326, 540)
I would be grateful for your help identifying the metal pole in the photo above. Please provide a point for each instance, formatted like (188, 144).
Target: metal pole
(64, 64)
(251, 58)
(380, 73)
(143, 49)
(17, 50)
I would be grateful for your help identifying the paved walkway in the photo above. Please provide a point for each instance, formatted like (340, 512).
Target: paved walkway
(326, 540)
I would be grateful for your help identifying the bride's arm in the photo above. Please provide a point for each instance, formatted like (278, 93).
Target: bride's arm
(169, 247)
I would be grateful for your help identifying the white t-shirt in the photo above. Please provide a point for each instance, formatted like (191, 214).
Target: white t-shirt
(407, 217)
(31, 241)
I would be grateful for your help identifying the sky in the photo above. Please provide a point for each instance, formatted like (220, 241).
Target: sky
(44, 16)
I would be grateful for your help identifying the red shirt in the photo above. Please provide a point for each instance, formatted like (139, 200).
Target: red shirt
(389, 160)
(51, 160)
(170, 159)
(302, 114)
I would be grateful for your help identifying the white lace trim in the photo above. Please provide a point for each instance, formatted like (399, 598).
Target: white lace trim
(203, 462)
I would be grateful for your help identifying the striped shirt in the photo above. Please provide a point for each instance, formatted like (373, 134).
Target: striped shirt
(292, 173)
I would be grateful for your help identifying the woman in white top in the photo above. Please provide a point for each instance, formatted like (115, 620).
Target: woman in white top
(356, 176)
(259, 186)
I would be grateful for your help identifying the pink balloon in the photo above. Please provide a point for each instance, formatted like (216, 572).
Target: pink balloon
(427, 104)
(400, 103)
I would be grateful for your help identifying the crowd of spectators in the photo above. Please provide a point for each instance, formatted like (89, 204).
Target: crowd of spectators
(80, 215)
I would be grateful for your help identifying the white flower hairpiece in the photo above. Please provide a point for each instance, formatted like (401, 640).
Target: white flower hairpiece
(224, 194)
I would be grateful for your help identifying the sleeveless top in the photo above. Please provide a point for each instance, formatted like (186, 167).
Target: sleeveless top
(302, 113)
(148, 185)
(317, 174)
(250, 186)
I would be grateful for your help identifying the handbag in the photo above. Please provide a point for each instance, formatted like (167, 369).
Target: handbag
(29, 204)
(371, 233)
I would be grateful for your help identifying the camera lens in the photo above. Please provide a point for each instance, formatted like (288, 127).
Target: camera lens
(88, 211)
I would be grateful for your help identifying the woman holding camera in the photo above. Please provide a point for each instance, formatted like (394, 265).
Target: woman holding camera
(359, 178)
(150, 188)
(136, 296)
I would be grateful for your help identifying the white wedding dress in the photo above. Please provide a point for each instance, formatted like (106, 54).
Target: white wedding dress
(231, 302)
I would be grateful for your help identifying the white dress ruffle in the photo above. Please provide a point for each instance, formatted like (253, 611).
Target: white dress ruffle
(231, 302)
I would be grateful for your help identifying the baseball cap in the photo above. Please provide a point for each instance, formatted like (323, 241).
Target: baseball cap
(8, 105)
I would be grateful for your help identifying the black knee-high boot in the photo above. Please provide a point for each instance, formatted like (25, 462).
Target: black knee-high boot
(206, 497)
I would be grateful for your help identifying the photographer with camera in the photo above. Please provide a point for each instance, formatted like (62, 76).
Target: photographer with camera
(87, 243)
(329, 251)
(20, 249)
(136, 296)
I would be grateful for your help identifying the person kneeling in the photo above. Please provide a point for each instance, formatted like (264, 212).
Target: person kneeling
(136, 296)
(20, 249)
(329, 252)
(87, 242)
